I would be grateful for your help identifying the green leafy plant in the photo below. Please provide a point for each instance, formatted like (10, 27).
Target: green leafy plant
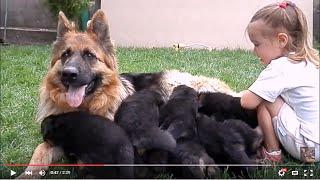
(71, 8)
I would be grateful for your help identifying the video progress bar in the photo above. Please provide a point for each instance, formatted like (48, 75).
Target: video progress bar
(157, 165)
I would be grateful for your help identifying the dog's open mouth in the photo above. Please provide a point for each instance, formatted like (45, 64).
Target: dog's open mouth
(76, 94)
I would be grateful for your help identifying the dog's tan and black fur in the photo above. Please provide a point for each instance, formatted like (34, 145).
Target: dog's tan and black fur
(84, 76)
(82, 59)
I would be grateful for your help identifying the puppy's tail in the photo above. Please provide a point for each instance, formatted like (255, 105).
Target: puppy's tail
(156, 138)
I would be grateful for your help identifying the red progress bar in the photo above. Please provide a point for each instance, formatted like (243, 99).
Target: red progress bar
(11, 165)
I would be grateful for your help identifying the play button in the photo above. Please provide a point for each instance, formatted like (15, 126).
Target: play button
(12, 173)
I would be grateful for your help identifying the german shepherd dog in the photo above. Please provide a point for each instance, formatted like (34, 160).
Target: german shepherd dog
(84, 76)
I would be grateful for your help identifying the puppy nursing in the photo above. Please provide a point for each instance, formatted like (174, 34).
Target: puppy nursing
(178, 117)
(138, 115)
(91, 139)
(147, 130)
(229, 142)
(223, 106)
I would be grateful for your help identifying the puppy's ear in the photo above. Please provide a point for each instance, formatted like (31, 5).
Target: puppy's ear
(63, 25)
(200, 99)
(159, 98)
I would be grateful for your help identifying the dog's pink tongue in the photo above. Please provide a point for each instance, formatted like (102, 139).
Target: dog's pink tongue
(75, 95)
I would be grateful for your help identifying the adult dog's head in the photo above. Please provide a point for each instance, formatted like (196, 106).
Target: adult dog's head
(83, 73)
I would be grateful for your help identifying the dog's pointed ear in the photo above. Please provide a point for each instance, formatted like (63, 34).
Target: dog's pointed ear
(99, 26)
(63, 25)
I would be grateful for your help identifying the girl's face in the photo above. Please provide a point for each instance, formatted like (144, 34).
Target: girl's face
(266, 46)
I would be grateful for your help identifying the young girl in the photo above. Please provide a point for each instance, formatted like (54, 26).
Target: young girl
(286, 93)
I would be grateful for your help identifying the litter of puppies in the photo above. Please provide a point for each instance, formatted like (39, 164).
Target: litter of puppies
(194, 129)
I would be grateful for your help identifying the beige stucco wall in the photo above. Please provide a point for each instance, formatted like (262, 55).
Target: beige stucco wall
(161, 23)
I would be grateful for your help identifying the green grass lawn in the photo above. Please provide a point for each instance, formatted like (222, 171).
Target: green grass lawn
(23, 67)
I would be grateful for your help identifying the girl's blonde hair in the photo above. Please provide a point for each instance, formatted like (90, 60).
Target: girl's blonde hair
(287, 16)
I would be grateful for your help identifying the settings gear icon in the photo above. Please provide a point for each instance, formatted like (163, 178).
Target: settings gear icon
(282, 171)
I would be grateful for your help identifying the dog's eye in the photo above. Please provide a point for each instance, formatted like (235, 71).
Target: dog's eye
(88, 55)
(66, 54)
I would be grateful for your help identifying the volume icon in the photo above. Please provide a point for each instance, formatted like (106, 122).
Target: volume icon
(42, 173)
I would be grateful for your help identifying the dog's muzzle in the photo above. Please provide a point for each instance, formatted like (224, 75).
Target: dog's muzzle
(78, 84)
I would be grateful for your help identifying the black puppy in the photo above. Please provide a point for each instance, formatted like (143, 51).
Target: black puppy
(223, 106)
(138, 115)
(144, 80)
(91, 139)
(178, 118)
(180, 111)
(229, 142)
(151, 157)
